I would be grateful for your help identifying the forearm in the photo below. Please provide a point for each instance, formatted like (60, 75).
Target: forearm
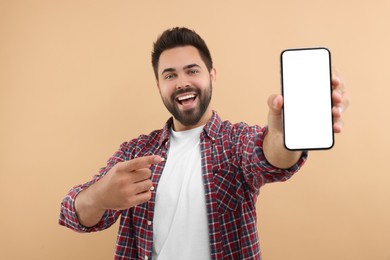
(87, 210)
(275, 152)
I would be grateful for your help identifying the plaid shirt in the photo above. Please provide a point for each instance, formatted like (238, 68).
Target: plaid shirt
(233, 168)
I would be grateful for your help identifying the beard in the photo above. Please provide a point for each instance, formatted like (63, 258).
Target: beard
(191, 116)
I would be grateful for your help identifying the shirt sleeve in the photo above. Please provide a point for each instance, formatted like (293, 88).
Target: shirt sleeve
(257, 170)
(68, 216)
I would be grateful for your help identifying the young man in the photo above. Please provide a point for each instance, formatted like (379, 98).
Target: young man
(188, 191)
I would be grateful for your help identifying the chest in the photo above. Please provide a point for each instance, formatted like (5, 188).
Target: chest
(219, 173)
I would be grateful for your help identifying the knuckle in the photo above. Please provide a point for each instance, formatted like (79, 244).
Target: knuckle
(148, 183)
(145, 185)
(143, 197)
(148, 173)
(147, 195)
(142, 186)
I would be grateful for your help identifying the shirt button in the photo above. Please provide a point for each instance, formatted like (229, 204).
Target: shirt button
(149, 222)
(146, 257)
(152, 188)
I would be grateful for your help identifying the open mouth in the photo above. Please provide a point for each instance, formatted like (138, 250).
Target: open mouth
(186, 99)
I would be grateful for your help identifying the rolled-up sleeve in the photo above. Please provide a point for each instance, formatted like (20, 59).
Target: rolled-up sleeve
(68, 216)
(257, 170)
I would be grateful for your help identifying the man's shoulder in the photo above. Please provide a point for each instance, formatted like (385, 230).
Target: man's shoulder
(153, 136)
(217, 127)
(239, 127)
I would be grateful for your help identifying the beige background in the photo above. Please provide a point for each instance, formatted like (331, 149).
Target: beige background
(76, 81)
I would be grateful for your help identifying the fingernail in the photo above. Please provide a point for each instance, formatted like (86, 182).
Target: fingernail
(274, 103)
(158, 159)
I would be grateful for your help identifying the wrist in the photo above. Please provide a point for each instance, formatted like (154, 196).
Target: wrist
(276, 153)
(93, 199)
(87, 208)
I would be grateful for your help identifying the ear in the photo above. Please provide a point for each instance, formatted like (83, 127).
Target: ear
(158, 84)
(213, 75)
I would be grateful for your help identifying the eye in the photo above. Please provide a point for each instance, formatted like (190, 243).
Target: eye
(193, 71)
(169, 76)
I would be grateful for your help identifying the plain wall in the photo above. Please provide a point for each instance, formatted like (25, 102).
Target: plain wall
(76, 81)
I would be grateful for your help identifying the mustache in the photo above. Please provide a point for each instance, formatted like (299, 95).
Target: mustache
(185, 90)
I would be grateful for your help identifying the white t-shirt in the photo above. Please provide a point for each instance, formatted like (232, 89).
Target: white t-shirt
(180, 226)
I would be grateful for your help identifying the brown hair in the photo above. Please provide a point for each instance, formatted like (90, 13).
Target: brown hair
(179, 37)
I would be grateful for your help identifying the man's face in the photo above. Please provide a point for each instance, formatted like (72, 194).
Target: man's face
(185, 85)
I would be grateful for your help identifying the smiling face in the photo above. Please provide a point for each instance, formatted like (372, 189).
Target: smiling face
(185, 86)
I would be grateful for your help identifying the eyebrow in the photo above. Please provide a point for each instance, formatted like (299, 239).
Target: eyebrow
(184, 68)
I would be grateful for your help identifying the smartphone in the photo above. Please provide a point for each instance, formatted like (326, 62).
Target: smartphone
(307, 95)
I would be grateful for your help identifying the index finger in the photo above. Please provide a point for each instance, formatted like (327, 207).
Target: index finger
(142, 162)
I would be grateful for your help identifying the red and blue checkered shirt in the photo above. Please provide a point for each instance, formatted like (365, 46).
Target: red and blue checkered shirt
(233, 168)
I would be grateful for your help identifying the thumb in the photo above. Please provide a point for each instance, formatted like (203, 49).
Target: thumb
(275, 103)
(143, 162)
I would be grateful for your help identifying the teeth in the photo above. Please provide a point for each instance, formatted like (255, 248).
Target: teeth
(186, 97)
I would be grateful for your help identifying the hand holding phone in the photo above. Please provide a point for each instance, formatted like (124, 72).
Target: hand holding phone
(307, 94)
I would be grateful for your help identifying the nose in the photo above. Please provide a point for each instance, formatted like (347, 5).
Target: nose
(182, 82)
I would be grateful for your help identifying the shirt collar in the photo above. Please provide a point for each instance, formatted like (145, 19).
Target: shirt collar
(211, 129)
(213, 126)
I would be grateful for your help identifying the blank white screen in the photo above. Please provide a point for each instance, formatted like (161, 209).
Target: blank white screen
(306, 87)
